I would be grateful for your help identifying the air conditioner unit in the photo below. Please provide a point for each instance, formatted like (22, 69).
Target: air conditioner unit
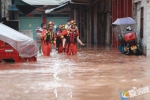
(28, 33)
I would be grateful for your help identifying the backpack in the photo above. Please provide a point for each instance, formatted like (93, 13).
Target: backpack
(71, 38)
(48, 37)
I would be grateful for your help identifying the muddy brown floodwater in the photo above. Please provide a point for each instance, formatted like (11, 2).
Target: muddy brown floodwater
(94, 74)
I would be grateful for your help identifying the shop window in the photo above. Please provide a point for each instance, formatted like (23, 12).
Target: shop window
(58, 15)
(66, 15)
(22, 15)
(37, 15)
(50, 15)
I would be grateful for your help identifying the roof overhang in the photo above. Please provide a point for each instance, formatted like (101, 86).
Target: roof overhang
(56, 8)
(24, 7)
(57, 2)
(52, 5)
(45, 2)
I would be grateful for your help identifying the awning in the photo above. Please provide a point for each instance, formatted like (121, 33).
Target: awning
(56, 8)
(27, 6)
(24, 7)
(45, 2)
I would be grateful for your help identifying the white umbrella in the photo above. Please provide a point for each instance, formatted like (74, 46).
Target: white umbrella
(124, 21)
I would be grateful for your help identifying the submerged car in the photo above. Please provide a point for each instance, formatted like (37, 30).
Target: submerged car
(15, 45)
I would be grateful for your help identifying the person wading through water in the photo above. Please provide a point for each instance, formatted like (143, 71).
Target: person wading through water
(67, 27)
(71, 39)
(47, 37)
(38, 39)
(59, 38)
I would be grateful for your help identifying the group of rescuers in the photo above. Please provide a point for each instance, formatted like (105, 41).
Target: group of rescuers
(65, 39)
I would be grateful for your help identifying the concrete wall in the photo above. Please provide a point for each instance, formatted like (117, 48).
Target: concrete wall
(4, 8)
(145, 41)
(137, 16)
(147, 28)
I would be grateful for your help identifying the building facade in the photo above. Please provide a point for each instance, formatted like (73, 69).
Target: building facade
(4, 8)
(141, 14)
(94, 19)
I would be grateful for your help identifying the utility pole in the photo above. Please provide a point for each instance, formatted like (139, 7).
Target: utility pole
(0, 10)
(4, 8)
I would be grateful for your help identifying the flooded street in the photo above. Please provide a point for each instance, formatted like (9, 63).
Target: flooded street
(93, 74)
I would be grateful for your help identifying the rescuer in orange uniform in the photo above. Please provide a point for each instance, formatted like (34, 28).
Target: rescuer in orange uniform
(67, 27)
(59, 38)
(47, 37)
(71, 38)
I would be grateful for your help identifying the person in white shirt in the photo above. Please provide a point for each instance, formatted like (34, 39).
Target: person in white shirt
(38, 39)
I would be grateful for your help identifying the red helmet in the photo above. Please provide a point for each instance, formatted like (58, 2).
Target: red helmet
(61, 26)
(73, 22)
(51, 23)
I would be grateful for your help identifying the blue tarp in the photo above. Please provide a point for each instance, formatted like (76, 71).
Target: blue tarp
(121, 49)
(12, 8)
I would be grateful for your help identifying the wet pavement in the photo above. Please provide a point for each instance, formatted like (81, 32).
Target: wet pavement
(94, 74)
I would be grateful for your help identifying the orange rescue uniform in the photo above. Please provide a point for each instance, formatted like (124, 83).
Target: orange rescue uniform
(71, 41)
(47, 45)
(59, 40)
